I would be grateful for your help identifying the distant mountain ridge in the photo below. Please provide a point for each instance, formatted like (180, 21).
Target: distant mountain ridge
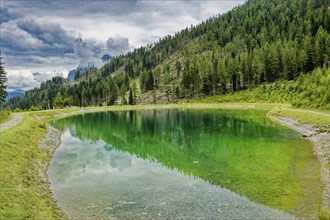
(17, 92)
(72, 75)
(106, 58)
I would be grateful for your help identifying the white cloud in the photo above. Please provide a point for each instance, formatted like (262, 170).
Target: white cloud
(21, 80)
(118, 45)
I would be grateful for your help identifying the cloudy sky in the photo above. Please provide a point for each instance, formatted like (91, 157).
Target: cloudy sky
(43, 38)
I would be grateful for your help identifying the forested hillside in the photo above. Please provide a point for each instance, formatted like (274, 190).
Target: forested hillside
(258, 45)
(306, 91)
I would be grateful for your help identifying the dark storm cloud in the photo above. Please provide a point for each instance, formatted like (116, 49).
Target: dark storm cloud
(5, 16)
(49, 33)
(30, 36)
(35, 41)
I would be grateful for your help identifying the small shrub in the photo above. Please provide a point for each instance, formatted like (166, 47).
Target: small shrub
(33, 108)
(18, 110)
(4, 115)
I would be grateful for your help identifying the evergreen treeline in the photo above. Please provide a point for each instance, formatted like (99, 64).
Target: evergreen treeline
(306, 91)
(257, 43)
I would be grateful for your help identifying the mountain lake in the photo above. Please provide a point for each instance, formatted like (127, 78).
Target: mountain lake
(183, 164)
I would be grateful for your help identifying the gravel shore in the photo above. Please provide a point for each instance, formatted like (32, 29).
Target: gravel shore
(51, 142)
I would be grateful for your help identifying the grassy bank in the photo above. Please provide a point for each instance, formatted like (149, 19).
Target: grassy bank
(304, 117)
(24, 191)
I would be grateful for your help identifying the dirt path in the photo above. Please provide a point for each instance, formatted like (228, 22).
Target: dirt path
(17, 117)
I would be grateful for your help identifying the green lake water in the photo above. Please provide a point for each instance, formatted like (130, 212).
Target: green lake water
(183, 164)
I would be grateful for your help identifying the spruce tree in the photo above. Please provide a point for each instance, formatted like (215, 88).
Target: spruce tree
(3, 80)
(130, 98)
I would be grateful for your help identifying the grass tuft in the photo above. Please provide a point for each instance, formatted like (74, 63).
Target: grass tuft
(324, 214)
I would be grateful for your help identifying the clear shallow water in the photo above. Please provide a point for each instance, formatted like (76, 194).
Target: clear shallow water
(178, 164)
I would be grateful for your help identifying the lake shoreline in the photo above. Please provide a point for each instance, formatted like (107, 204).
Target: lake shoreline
(321, 146)
(51, 142)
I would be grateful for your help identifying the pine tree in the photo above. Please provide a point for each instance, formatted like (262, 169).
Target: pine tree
(150, 81)
(58, 101)
(3, 80)
(178, 68)
(122, 93)
(114, 93)
(130, 98)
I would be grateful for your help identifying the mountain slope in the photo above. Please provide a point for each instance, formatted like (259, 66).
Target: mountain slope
(257, 43)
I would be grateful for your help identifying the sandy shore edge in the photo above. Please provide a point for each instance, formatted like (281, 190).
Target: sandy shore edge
(321, 141)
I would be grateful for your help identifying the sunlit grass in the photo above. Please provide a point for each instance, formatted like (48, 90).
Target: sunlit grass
(324, 214)
(24, 193)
